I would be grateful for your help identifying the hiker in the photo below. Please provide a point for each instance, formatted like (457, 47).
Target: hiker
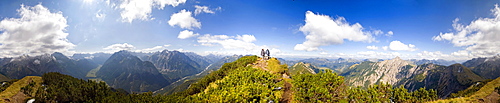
(267, 52)
(263, 53)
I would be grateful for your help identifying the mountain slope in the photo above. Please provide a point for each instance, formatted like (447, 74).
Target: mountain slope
(174, 65)
(126, 71)
(388, 71)
(14, 94)
(17, 68)
(237, 81)
(486, 94)
(183, 83)
(303, 68)
(98, 58)
(488, 68)
(446, 80)
(337, 65)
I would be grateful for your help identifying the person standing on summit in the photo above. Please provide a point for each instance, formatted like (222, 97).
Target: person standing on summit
(263, 53)
(267, 52)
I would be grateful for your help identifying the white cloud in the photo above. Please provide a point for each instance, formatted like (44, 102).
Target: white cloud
(390, 33)
(246, 38)
(184, 19)
(480, 37)
(323, 53)
(432, 55)
(322, 30)
(153, 49)
(229, 42)
(377, 32)
(125, 46)
(37, 31)
(385, 47)
(397, 45)
(204, 9)
(239, 44)
(373, 47)
(141, 9)
(118, 47)
(459, 55)
(187, 34)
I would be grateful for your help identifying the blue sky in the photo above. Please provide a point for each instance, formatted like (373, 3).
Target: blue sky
(410, 29)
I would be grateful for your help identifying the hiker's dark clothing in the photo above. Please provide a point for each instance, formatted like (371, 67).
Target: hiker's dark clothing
(267, 51)
(263, 53)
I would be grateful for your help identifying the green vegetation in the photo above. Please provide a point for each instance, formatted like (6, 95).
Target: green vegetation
(247, 85)
(6, 84)
(329, 87)
(239, 81)
(63, 88)
(216, 75)
(16, 86)
(471, 90)
(482, 93)
(302, 68)
(322, 87)
(92, 72)
(275, 67)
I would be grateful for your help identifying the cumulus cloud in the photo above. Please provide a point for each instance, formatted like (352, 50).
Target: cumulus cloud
(229, 42)
(118, 47)
(204, 9)
(323, 53)
(432, 55)
(322, 30)
(184, 19)
(37, 31)
(373, 47)
(141, 9)
(397, 45)
(239, 44)
(385, 47)
(187, 34)
(125, 46)
(153, 49)
(480, 37)
(389, 33)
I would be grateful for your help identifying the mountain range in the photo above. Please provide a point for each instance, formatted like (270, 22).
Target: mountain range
(180, 74)
(167, 72)
(126, 71)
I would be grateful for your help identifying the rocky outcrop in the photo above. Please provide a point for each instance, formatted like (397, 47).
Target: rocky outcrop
(174, 64)
(388, 71)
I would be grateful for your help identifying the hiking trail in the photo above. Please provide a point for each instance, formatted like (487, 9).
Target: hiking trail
(287, 92)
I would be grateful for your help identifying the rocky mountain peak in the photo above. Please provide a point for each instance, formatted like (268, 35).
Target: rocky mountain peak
(397, 58)
(387, 71)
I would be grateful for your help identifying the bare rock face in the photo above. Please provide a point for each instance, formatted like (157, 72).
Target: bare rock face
(174, 64)
(388, 71)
